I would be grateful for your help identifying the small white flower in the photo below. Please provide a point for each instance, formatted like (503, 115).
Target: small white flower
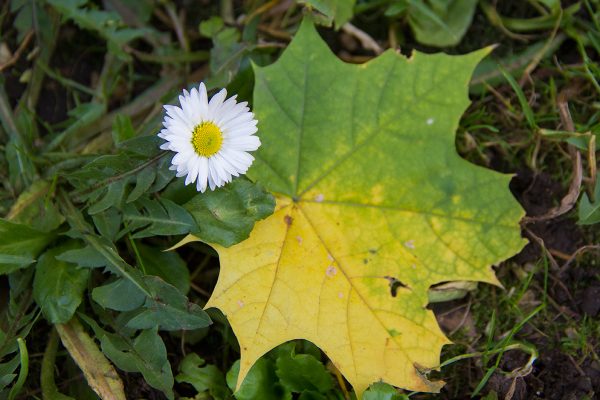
(211, 138)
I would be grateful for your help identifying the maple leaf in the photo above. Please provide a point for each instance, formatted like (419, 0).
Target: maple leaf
(371, 195)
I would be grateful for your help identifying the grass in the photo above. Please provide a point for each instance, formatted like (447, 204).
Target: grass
(67, 94)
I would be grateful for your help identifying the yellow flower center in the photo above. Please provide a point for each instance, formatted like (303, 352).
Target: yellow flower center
(207, 139)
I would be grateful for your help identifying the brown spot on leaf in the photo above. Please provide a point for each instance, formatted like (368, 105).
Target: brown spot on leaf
(288, 220)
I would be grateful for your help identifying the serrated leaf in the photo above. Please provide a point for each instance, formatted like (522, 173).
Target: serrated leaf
(86, 257)
(120, 295)
(20, 245)
(147, 354)
(108, 223)
(167, 265)
(160, 217)
(371, 192)
(226, 216)
(168, 309)
(58, 286)
(144, 180)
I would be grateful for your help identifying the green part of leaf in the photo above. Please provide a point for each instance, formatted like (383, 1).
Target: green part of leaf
(168, 309)
(210, 27)
(146, 355)
(120, 295)
(20, 164)
(7, 371)
(303, 372)
(227, 215)
(338, 11)
(23, 371)
(589, 212)
(440, 23)
(144, 180)
(225, 57)
(260, 383)
(204, 378)
(157, 217)
(106, 24)
(108, 223)
(113, 197)
(23, 21)
(312, 395)
(383, 391)
(122, 129)
(58, 286)
(86, 257)
(165, 264)
(20, 245)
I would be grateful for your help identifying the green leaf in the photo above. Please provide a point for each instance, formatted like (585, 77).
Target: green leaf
(589, 212)
(122, 129)
(303, 372)
(58, 286)
(167, 265)
(203, 377)
(107, 24)
(225, 57)
(227, 215)
(168, 309)
(144, 180)
(210, 27)
(108, 223)
(157, 217)
(438, 23)
(146, 355)
(20, 245)
(84, 257)
(120, 295)
(382, 391)
(338, 11)
(260, 383)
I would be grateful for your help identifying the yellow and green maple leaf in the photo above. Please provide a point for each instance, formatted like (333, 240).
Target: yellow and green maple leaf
(370, 192)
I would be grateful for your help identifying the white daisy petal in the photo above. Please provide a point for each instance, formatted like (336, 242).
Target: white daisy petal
(202, 173)
(211, 139)
(215, 103)
(245, 143)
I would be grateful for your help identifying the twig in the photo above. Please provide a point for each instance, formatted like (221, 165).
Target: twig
(19, 51)
(541, 243)
(577, 253)
(365, 40)
(570, 199)
(540, 54)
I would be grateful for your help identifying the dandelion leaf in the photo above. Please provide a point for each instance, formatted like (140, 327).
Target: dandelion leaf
(374, 206)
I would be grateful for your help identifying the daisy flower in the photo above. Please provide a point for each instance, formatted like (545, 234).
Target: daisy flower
(211, 138)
